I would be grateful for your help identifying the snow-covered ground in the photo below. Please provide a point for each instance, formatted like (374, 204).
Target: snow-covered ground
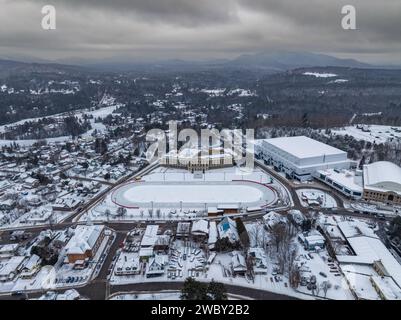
(320, 75)
(377, 134)
(163, 295)
(143, 194)
(317, 264)
(214, 92)
(168, 295)
(27, 143)
(99, 113)
(242, 93)
(339, 81)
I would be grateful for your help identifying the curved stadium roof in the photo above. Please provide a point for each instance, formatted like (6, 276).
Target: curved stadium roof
(382, 174)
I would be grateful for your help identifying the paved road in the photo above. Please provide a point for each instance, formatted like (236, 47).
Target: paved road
(337, 198)
(104, 271)
(157, 286)
(292, 189)
(282, 180)
(96, 290)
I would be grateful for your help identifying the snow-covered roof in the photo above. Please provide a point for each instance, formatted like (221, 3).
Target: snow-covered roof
(146, 252)
(33, 261)
(238, 261)
(369, 250)
(212, 233)
(10, 247)
(303, 147)
(228, 206)
(84, 239)
(314, 239)
(347, 178)
(383, 175)
(272, 218)
(361, 286)
(150, 236)
(11, 265)
(228, 229)
(260, 258)
(200, 226)
(353, 229)
(156, 264)
(387, 287)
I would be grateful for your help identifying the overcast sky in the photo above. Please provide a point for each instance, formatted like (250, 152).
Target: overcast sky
(199, 29)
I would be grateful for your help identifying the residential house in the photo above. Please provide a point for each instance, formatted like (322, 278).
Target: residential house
(238, 263)
(85, 242)
(156, 266)
(200, 230)
(227, 228)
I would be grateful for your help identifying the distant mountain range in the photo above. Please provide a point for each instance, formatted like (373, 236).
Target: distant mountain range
(265, 61)
(268, 62)
(281, 61)
(8, 67)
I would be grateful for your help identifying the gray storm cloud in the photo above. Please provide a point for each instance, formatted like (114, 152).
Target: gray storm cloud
(159, 29)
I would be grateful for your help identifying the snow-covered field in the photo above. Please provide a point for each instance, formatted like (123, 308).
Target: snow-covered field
(177, 194)
(320, 75)
(168, 194)
(377, 134)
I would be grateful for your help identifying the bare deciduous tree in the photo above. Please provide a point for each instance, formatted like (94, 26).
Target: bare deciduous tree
(326, 285)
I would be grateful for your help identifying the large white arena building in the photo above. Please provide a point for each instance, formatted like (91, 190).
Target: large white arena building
(382, 182)
(299, 157)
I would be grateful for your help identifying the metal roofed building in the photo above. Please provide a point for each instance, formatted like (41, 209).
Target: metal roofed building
(150, 236)
(299, 157)
(369, 250)
(382, 182)
(348, 182)
(84, 243)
